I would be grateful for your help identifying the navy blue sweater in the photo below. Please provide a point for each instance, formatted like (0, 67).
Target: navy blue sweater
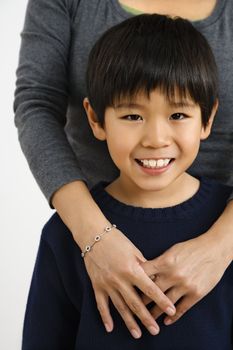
(61, 311)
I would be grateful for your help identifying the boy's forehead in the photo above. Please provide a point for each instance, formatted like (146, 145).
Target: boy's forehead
(140, 98)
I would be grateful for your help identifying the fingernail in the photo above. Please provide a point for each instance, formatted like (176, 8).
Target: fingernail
(135, 333)
(167, 321)
(170, 311)
(153, 330)
(107, 327)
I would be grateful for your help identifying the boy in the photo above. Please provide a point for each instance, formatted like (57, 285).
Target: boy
(152, 96)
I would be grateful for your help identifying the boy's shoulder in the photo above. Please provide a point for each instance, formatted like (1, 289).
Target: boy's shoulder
(55, 232)
(215, 195)
(217, 187)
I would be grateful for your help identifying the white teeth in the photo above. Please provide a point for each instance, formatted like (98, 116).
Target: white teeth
(160, 162)
(152, 163)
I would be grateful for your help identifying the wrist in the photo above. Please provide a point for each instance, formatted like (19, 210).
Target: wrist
(88, 227)
(220, 243)
(79, 212)
(98, 237)
(221, 234)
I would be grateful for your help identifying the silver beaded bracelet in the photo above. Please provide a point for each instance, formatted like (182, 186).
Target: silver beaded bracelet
(97, 239)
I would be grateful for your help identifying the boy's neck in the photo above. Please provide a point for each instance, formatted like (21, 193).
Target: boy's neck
(182, 190)
(193, 10)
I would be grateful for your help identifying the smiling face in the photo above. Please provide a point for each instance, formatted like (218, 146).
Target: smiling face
(152, 142)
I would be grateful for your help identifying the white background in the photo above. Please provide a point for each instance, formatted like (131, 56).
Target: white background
(23, 209)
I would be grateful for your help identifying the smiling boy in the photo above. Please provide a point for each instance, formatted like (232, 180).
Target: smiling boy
(161, 141)
(152, 97)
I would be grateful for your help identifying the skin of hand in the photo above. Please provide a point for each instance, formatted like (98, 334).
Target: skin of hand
(112, 279)
(109, 277)
(190, 270)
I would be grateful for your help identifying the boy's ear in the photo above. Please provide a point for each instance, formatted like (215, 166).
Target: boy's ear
(205, 132)
(97, 129)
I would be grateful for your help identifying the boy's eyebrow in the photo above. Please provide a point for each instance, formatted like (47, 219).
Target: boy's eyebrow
(178, 104)
(129, 105)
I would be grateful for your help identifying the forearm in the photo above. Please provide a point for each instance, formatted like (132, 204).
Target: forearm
(222, 232)
(79, 212)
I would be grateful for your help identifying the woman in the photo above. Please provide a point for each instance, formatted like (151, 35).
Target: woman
(55, 138)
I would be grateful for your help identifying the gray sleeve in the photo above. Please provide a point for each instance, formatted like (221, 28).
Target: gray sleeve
(41, 94)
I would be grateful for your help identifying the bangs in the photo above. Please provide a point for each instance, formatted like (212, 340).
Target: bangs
(146, 71)
(149, 52)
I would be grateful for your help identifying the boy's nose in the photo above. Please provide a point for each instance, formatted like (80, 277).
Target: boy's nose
(156, 135)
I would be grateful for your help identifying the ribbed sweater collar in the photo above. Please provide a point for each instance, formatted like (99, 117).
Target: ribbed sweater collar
(186, 209)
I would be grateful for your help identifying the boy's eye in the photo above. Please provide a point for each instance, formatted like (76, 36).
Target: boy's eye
(133, 117)
(178, 116)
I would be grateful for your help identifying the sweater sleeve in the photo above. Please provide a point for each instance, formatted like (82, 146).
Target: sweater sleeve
(41, 95)
(51, 320)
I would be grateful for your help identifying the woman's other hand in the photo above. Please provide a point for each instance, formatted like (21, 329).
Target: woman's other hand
(188, 271)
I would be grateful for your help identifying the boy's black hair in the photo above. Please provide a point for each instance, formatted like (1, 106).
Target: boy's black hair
(147, 52)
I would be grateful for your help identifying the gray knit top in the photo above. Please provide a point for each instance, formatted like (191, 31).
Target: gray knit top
(52, 125)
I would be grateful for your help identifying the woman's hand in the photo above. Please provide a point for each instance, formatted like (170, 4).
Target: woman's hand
(190, 270)
(113, 265)
(115, 268)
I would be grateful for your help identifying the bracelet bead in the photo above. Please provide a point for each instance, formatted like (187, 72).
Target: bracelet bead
(97, 239)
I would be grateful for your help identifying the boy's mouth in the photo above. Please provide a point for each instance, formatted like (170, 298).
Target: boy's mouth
(154, 163)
